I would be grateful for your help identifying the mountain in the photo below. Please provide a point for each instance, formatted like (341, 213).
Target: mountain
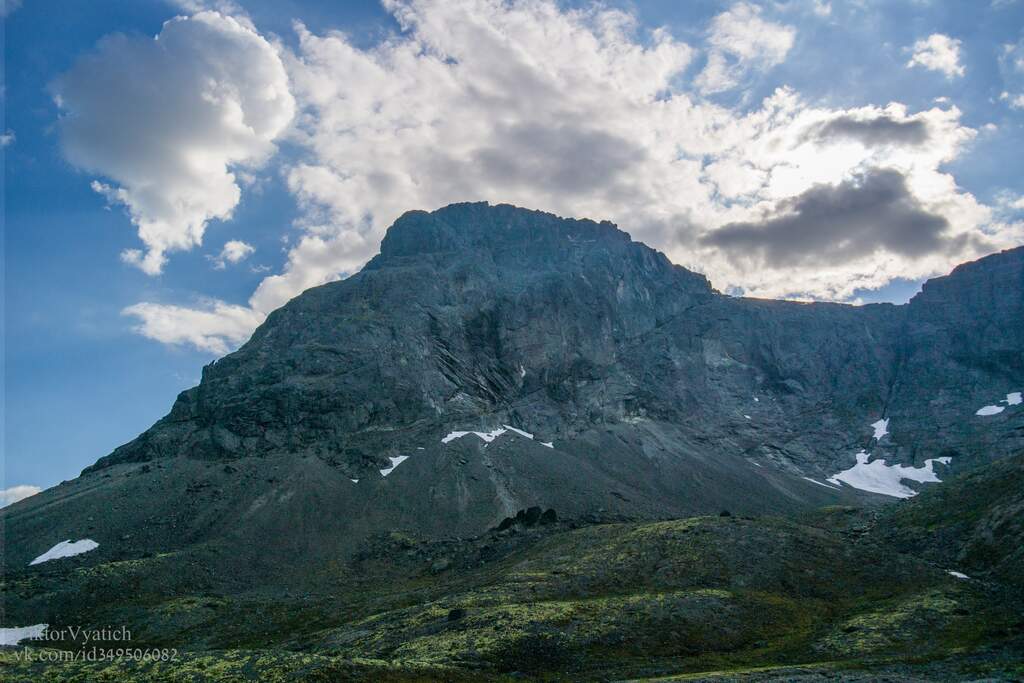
(475, 316)
(373, 442)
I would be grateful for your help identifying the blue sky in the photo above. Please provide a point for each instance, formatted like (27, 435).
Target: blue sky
(723, 133)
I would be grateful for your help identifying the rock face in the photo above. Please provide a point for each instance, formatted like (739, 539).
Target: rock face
(470, 317)
(603, 381)
(476, 316)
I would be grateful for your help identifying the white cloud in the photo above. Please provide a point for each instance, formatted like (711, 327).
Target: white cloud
(222, 6)
(740, 41)
(1012, 58)
(1014, 101)
(7, 138)
(822, 9)
(938, 52)
(213, 326)
(13, 494)
(1008, 201)
(581, 113)
(169, 119)
(1011, 68)
(234, 251)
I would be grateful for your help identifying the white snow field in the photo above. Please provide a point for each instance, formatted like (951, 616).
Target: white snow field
(66, 549)
(13, 636)
(878, 477)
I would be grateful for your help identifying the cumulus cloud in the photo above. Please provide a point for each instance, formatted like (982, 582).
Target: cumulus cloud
(7, 138)
(1013, 101)
(212, 326)
(13, 494)
(938, 52)
(740, 41)
(583, 113)
(234, 251)
(1009, 201)
(167, 120)
(834, 224)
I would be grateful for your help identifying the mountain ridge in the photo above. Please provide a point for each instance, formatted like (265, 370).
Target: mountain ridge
(412, 246)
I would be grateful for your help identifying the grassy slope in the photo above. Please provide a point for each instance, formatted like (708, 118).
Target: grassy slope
(604, 601)
(974, 523)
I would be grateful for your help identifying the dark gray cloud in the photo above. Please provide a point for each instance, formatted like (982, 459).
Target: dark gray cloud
(564, 158)
(881, 130)
(833, 224)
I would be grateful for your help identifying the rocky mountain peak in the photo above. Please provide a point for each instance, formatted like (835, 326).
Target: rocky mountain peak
(481, 226)
(992, 282)
(628, 374)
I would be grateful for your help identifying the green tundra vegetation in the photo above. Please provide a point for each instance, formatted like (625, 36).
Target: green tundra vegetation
(841, 591)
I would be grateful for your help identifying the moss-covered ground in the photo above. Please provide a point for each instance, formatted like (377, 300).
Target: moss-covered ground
(743, 597)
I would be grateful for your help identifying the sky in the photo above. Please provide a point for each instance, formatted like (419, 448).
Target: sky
(174, 171)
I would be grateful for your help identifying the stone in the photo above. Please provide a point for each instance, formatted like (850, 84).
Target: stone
(532, 516)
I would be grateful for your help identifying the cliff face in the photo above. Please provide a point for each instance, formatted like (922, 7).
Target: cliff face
(476, 316)
(960, 348)
(468, 318)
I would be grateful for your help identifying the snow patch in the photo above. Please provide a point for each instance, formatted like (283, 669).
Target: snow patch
(990, 410)
(881, 428)
(486, 436)
(813, 481)
(66, 549)
(957, 574)
(528, 435)
(13, 636)
(451, 436)
(878, 477)
(493, 434)
(1012, 399)
(395, 462)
